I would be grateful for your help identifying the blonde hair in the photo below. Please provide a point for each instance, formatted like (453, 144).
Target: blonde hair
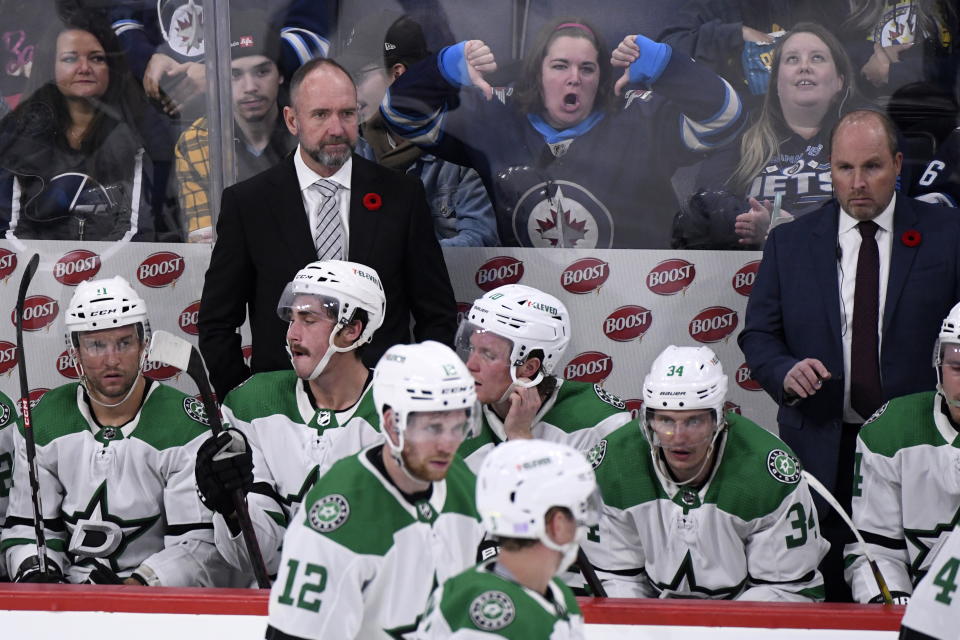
(761, 141)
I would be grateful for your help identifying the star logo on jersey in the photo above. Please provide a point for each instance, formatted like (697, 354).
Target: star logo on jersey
(876, 414)
(559, 213)
(308, 482)
(329, 513)
(195, 410)
(687, 574)
(5, 414)
(783, 466)
(609, 398)
(925, 541)
(492, 610)
(596, 454)
(98, 510)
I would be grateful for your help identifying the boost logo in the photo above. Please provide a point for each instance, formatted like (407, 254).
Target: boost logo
(671, 277)
(8, 263)
(627, 323)
(8, 356)
(65, 366)
(188, 318)
(744, 380)
(585, 275)
(743, 279)
(732, 407)
(463, 308)
(35, 395)
(499, 271)
(713, 324)
(247, 351)
(590, 366)
(634, 406)
(76, 266)
(159, 372)
(38, 312)
(160, 269)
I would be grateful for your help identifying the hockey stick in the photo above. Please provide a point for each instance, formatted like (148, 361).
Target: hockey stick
(177, 352)
(31, 447)
(583, 563)
(826, 495)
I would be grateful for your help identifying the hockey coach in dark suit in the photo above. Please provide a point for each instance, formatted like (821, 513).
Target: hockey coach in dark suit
(322, 202)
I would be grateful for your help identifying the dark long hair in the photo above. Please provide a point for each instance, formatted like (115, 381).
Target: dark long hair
(529, 90)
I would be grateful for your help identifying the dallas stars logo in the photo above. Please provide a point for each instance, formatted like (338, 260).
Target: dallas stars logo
(925, 540)
(783, 466)
(98, 509)
(686, 573)
(492, 610)
(329, 513)
(561, 228)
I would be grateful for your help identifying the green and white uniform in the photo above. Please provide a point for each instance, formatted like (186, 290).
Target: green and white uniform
(360, 559)
(8, 428)
(479, 603)
(906, 492)
(749, 533)
(934, 608)
(292, 445)
(136, 479)
(576, 413)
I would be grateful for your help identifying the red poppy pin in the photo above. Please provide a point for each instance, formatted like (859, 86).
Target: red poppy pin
(911, 238)
(373, 201)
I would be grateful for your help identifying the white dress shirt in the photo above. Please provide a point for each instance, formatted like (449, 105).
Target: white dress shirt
(311, 198)
(848, 244)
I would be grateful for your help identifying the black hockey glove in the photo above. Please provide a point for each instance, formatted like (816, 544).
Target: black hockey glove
(224, 464)
(30, 572)
(102, 574)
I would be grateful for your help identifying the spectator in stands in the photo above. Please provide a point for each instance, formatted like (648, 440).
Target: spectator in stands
(261, 138)
(565, 163)
(940, 181)
(895, 43)
(83, 156)
(869, 261)
(735, 38)
(379, 50)
(785, 151)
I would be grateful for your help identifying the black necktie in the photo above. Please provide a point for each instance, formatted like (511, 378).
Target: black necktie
(865, 392)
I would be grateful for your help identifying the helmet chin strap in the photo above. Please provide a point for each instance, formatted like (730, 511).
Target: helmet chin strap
(951, 403)
(396, 452)
(86, 385)
(665, 468)
(515, 382)
(331, 349)
(568, 551)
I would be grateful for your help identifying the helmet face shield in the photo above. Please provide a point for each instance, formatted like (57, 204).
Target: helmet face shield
(294, 304)
(490, 346)
(670, 430)
(456, 425)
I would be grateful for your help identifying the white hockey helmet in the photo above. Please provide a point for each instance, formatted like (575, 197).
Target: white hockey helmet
(425, 377)
(529, 318)
(521, 480)
(683, 379)
(342, 288)
(949, 334)
(104, 304)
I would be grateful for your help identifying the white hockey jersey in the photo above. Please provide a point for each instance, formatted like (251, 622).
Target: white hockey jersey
(934, 608)
(360, 560)
(137, 481)
(750, 533)
(576, 413)
(906, 492)
(8, 429)
(292, 445)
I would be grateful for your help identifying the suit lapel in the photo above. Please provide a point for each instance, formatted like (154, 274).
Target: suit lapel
(289, 213)
(901, 256)
(823, 254)
(363, 221)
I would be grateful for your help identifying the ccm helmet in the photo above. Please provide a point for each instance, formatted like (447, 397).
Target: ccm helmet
(949, 334)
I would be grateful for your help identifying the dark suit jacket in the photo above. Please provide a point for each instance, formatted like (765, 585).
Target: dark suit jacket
(794, 313)
(263, 239)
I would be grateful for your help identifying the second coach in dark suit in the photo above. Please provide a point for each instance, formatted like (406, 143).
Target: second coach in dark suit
(846, 300)
(321, 202)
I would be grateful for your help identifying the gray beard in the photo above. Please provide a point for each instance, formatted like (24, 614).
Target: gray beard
(332, 160)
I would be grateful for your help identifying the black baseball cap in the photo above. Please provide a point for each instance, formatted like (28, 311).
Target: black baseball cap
(382, 39)
(252, 33)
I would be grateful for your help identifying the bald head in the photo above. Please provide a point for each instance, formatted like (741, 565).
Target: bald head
(864, 163)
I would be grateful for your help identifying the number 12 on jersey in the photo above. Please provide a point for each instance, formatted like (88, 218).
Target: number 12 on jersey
(314, 582)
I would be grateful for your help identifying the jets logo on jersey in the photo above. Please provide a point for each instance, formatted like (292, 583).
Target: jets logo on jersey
(783, 466)
(328, 513)
(492, 610)
(596, 454)
(194, 408)
(876, 414)
(5, 414)
(609, 398)
(560, 213)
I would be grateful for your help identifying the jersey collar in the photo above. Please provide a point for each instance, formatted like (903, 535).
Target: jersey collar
(99, 430)
(436, 500)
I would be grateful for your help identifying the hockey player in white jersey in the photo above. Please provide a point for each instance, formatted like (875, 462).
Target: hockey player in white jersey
(512, 340)
(382, 527)
(537, 499)
(8, 429)
(698, 504)
(934, 609)
(291, 426)
(906, 484)
(115, 459)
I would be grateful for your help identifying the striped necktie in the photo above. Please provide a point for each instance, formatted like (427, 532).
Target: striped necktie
(328, 232)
